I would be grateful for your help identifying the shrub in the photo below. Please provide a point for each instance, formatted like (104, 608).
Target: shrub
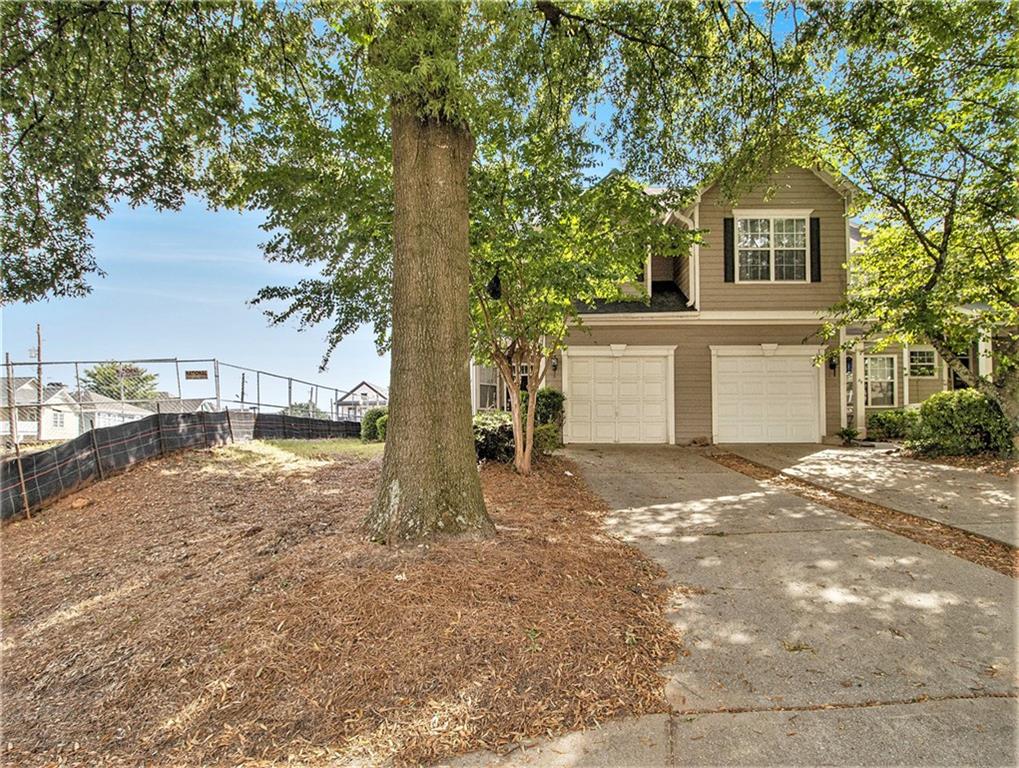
(493, 436)
(959, 423)
(380, 426)
(549, 406)
(369, 423)
(546, 438)
(848, 435)
(894, 424)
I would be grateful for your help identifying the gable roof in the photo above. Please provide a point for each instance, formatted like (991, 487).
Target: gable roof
(24, 395)
(381, 391)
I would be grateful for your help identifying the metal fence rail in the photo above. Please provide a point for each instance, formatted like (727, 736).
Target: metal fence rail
(29, 481)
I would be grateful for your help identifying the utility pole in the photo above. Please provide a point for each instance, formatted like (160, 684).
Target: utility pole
(242, 390)
(38, 380)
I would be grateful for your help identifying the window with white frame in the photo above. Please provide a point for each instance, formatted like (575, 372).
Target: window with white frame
(771, 249)
(922, 363)
(487, 388)
(879, 381)
(58, 419)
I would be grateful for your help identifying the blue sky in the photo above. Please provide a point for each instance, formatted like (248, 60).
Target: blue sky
(177, 285)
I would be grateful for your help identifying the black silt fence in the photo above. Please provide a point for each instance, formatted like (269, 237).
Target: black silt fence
(91, 456)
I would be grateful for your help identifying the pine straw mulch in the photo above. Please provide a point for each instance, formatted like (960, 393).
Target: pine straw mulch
(978, 549)
(988, 463)
(221, 608)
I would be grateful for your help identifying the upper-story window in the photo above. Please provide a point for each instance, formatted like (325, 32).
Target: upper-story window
(772, 249)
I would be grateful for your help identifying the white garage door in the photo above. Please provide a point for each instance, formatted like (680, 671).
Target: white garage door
(771, 397)
(617, 399)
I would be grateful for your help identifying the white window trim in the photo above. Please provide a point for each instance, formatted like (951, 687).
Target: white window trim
(895, 381)
(770, 214)
(909, 363)
(626, 350)
(769, 350)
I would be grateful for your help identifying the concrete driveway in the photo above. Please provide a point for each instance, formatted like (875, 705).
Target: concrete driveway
(975, 501)
(812, 638)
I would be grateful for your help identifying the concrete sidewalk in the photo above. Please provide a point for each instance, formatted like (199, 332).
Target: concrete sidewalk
(812, 638)
(965, 498)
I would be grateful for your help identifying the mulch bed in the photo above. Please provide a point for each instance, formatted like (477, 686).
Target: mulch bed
(222, 608)
(988, 463)
(978, 549)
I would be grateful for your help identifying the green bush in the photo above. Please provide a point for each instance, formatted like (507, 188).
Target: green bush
(959, 423)
(380, 427)
(493, 436)
(892, 424)
(550, 406)
(369, 423)
(546, 438)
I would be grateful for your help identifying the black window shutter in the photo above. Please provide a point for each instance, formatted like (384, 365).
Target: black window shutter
(729, 249)
(815, 249)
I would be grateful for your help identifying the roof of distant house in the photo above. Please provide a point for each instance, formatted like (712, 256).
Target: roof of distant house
(24, 395)
(382, 392)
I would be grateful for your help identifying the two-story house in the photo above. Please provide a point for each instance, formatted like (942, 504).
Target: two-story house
(728, 348)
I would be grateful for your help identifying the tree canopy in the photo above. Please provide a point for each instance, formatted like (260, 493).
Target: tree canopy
(919, 107)
(121, 381)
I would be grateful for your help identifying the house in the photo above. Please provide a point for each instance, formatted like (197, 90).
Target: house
(59, 411)
(164, 402)
(728, 349)
(101, 411)
(353, 404)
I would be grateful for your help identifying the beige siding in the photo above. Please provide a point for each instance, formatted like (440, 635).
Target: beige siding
(681, 274)
(693, 364)
(661, 267)
(794, 188)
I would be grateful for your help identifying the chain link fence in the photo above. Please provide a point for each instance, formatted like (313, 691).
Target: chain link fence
(48, 402)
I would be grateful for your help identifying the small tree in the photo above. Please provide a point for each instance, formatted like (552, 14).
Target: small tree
(541, 253)
(122, 381)
(306, 410)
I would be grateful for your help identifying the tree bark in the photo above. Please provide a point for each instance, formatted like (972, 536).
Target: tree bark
(430, 481)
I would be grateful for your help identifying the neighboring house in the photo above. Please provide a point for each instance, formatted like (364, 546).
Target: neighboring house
(353, 404)
(99, 411)
(59, 411)
(164, 402)
(726, 350)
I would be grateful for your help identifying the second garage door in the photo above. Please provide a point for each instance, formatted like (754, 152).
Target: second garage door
(767, 394)
(617, 398)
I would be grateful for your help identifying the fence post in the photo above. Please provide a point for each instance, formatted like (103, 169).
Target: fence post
(215, 369)
(159, 429)
(98, 458)
(230, 426)
(12, 408)
(21, 479)
(205, 432)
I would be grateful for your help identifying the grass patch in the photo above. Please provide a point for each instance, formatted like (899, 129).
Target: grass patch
(323, 449)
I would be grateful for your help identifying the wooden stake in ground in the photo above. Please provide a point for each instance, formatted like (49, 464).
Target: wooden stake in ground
(21, 479)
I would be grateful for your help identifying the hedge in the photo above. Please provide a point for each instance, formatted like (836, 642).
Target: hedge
(892, 424)
(959, 423)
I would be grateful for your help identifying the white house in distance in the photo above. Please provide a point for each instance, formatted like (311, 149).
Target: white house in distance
(353, 404)
(101, 411)
(59, 411)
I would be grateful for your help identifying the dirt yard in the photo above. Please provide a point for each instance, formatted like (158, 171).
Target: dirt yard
(221, 608)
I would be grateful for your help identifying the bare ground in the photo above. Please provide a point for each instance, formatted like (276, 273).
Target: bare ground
(221, 608)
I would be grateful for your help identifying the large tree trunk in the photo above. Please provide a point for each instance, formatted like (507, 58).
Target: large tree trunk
(430, 480)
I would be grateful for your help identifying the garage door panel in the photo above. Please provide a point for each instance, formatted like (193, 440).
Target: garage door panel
(626, 397)
(767, 398)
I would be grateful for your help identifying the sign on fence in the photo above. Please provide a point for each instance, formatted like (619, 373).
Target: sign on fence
(196, 375)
